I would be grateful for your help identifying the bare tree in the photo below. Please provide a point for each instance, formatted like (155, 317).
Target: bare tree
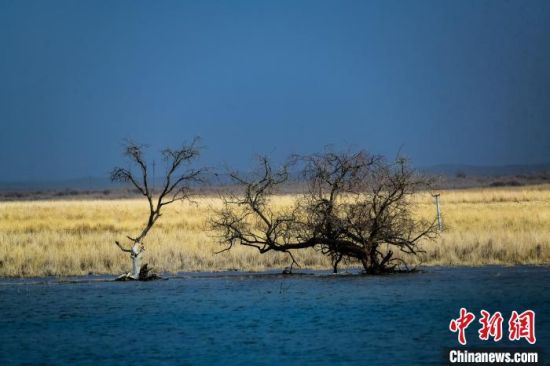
(354, 207)
(176, 186)
(249, 220)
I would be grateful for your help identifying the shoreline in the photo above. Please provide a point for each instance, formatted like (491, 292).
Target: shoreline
(353, 271)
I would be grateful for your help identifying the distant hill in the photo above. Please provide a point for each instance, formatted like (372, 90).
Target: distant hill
(450, 176)
(89, 183)
(488, 170)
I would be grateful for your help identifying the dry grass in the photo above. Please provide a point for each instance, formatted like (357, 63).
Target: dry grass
(483, 226)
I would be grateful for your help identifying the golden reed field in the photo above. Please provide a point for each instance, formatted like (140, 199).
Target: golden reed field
(76, 237)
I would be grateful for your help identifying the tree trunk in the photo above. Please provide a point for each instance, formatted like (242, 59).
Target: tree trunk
(139, 272)
(365, 263)
(136, 254)
(335, 261)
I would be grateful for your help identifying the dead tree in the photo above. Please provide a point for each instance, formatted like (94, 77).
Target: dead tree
(355, 207)
(176, 186)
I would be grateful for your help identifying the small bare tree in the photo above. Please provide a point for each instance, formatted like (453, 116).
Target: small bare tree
(355, 207)
(176, 186)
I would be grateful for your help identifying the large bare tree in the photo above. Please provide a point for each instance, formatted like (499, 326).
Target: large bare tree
(176, 186)
(354, 207)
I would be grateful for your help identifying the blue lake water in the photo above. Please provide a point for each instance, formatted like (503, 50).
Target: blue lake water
(239, 318)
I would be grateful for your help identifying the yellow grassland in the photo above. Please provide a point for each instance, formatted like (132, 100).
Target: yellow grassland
(482, 226)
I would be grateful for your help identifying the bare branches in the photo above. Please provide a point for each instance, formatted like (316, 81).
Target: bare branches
(247, 219)
(122, 248)
(177, 184)
(354, 206)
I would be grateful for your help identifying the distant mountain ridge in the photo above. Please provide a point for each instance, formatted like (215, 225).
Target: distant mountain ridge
(450, 170)
(486, 170)
(91, 183)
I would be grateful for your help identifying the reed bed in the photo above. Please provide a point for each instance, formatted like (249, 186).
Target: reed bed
(507, 226)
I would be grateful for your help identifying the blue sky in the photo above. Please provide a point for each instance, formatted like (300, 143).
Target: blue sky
(445, 81)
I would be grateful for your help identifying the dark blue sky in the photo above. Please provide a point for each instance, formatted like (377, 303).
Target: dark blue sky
(448, 81)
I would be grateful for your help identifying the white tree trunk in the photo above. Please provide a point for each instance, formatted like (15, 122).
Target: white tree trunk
(136, 254)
